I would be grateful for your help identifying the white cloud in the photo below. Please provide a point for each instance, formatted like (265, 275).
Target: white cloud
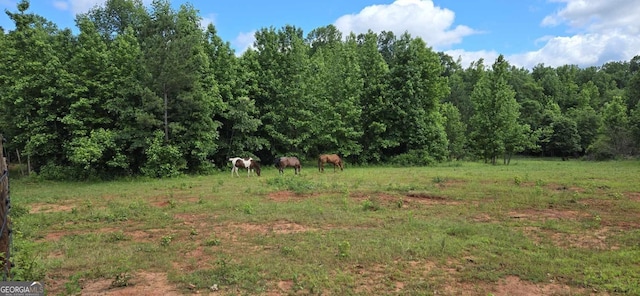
(604, 31)
(206, 20)
(61, 5)
(590, 49)
(467, 57)
(418, 17)
(77, 6)
(597, 15)
(244, 41)
(598, 32)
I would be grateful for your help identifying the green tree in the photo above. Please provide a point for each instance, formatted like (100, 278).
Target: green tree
(568, 92)
(613, 137)
(240, 120)
(633, 86)
(455, 129)
(281, 73)
(634, 123)
(136, 111)
(336, 89)
(588, 123)
(374, 103)
(565, 140)
(495, 126)
(34, 88)
(548, 79)
(174, 47)
(89, 146)
(416, 89)
(460, 87)
(114, 17)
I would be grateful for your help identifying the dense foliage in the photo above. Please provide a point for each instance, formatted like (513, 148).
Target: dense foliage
(146, 90)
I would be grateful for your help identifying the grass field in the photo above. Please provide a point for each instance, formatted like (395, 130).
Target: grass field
(535, 227)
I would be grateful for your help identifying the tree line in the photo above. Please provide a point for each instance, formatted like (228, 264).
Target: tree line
(147, 91)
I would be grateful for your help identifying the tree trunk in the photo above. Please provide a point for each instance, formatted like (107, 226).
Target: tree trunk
(166, 113)
(19, 162)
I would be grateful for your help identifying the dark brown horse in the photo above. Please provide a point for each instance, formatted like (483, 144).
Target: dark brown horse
(330, 158)
(282, 162)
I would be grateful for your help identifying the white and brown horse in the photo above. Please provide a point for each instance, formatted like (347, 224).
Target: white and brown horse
(247, 163)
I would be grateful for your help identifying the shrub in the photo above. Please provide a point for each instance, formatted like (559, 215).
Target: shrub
(163, 160)
(413, 158)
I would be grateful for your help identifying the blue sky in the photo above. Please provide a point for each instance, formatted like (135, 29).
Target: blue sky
(527, 32)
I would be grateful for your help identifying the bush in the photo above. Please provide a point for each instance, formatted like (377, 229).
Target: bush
(413, 158)
(57, 172)
(600, 150)
(163, 160)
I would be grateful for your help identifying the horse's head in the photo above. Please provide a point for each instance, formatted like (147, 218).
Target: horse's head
(256, 166)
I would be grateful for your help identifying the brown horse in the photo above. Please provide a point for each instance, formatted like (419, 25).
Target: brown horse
(330, 158)
(282, 162)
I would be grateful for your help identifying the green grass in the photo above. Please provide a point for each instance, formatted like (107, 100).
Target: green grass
(449, 229)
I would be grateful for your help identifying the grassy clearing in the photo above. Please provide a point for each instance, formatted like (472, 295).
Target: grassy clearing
(550, 227)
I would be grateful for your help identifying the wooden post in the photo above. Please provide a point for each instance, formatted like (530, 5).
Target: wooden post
(5, 222)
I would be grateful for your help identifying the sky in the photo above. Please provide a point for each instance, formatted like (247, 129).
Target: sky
(527, 32)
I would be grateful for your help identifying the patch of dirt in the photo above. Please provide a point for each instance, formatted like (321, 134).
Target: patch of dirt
(635, 196)
(278, 227)
(38, 208)
(286, 195)
(160, 203)
(547, 214)
(514, 286)
(595, 240)
(429, 199)
(196, 220)
(140, 284)
(57, 235)
(373, 279)
(407, 200)
(204, 222)
(283, 287)
(449, 183)
(558, 187)
(483, 217)
(163, 202)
